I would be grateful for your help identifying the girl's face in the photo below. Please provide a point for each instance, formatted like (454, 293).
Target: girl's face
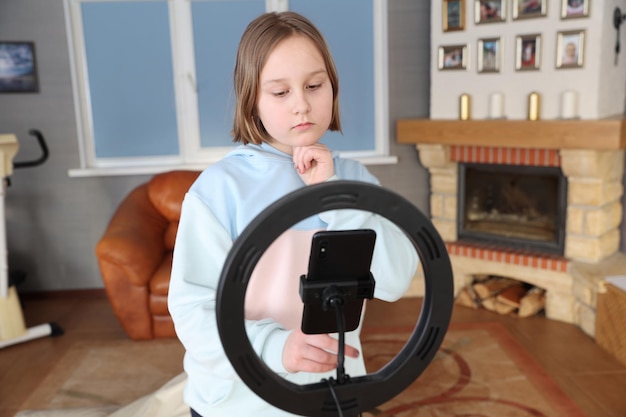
(295, 99)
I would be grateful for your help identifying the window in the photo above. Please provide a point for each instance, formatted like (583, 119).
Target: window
(153, 78)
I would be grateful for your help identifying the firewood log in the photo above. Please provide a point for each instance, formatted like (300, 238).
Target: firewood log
(532, 303)
(481, 277)
(492, 286)
(512, 294)
(503, 308)
(465, 298)
(489, 303)
(468, 297)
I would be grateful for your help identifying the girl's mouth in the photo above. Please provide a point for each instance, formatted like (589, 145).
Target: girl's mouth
(303, 126)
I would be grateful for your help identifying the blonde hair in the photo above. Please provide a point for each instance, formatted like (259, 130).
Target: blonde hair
(257, 42)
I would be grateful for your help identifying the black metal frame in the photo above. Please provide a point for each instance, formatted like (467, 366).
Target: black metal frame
(557, 246)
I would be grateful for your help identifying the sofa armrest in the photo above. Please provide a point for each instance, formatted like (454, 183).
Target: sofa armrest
(133, 239)
(167, 191)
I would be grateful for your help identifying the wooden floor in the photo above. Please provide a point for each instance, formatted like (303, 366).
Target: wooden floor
(584, 371)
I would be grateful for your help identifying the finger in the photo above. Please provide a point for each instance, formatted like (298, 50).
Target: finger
(331, 344)
(299, 159)
(320, 356)
(311, 366)
(302, 155)
(306, 154)
(302, 364)
(313, 163)
(311, 359)
(351, 351)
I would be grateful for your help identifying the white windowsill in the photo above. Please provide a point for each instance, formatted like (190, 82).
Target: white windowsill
(155, 169)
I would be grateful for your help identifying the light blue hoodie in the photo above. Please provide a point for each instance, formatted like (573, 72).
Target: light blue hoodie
(217, 208)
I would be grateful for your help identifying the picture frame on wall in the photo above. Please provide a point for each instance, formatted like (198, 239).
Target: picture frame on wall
(489, 11)
(489, 55)
(528, 52)
(528, 9)
(570, 47)
(453, 14)
(453, 57)
(18, 69)
(572, 9)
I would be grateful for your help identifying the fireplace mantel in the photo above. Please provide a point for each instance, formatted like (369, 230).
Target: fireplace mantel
(601, 134)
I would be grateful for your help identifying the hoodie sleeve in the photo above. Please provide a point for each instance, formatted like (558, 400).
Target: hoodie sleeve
(202, 245)
(395, 259)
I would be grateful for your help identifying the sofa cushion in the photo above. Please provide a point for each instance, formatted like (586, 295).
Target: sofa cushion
(158, 305)
(167, 190)
(133, 239)
(160, 281)
(163, 326)
(135, 254)
(169, 238)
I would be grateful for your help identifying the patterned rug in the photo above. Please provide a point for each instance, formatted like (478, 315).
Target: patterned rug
(480, 371)
(110, 374)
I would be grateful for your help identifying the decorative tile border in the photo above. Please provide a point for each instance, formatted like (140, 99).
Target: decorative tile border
(496, 253)
(502, 155)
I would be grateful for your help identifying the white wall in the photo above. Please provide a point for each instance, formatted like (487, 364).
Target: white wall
(599, 83)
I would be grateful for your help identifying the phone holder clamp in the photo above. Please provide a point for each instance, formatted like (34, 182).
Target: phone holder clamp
(319, 291)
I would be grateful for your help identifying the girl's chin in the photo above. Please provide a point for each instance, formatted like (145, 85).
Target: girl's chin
(298, 142)
(307, 140)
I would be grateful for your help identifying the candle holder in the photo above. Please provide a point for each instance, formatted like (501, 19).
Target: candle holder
(465, 107)
(534, 106)
(496, 106)
(569, 105)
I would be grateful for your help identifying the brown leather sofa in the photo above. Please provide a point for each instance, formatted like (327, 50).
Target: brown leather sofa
(135, 254)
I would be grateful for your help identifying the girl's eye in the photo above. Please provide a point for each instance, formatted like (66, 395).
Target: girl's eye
(279, 93)
(313, 86)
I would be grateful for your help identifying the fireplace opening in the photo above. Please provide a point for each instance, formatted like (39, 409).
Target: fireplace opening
(514, 206)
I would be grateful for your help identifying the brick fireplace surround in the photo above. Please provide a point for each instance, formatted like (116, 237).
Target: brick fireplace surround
(591, 157)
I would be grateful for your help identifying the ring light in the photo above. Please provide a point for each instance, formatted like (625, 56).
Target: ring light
(363, 392)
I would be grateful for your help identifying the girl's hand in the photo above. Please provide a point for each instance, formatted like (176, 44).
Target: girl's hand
(314, 163)
(313, 352)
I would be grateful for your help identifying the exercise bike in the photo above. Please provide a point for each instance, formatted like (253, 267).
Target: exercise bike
(13, 329)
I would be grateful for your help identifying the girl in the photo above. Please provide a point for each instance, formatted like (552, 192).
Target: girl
(286, 91)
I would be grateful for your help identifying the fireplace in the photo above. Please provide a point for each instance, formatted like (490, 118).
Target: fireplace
(588, 154)
(514, 206)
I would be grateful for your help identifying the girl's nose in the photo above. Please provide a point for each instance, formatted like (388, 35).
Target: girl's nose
(301, 104)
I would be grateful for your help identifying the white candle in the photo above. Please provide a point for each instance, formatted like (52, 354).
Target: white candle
(496, 105)
(465, 107)
(534, 106)
(569, 105)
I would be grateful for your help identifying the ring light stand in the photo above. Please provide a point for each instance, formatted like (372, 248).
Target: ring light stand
(364, 392)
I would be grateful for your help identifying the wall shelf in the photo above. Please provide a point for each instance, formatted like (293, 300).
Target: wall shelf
(600, 134)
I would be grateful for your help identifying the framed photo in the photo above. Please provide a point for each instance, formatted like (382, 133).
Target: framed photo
(489, 55)
(526, 9)
(453, 57)
(18, 69)
(570, 46)
(453, 15)
(528, 52)
(489, 11)
(571, 9)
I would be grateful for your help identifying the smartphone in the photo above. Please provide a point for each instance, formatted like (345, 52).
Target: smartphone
(341, 258)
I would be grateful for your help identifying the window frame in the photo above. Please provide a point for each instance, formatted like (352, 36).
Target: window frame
(191, 154)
